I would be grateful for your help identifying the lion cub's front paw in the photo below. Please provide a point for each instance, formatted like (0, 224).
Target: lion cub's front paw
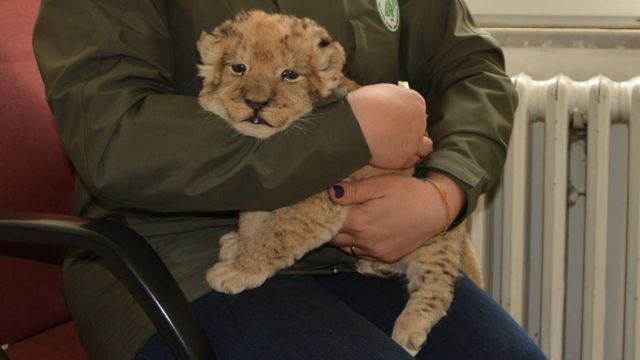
(228, 278)
(229, 244)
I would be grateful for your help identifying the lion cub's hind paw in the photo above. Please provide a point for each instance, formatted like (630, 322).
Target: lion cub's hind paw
(377, 268)
(410, 331)
(413, 343)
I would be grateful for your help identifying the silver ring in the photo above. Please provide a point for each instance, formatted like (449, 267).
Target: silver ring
(353, 250)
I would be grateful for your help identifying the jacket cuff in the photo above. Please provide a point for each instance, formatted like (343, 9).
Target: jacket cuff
(461, 172)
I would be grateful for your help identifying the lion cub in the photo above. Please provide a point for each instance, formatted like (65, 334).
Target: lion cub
(261, 72)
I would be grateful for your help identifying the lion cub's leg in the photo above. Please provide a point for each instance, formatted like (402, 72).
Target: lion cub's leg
(431, 271)
(250, 224)
(285, 237)
(229, 245)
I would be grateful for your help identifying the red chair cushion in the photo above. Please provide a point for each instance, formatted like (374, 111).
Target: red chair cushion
(35, 176)
(32, 296)
(59, 343)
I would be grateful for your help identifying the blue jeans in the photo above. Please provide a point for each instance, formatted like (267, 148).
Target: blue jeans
(348, 316)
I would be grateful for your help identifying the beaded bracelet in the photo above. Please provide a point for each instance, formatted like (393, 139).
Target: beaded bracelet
(445, 199)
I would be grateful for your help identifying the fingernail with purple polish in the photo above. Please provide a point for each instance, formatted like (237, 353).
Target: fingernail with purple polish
(338, 191)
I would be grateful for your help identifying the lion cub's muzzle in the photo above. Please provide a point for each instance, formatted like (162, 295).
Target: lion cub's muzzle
(257, 120)
(257, 106)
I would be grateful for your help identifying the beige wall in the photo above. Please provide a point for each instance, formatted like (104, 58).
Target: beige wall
(557, 13)
(556, 7)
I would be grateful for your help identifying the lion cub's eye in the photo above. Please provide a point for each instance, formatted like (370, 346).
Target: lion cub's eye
(238, 69)
(289, 75)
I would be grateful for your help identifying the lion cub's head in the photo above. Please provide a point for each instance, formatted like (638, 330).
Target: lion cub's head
(263, 71)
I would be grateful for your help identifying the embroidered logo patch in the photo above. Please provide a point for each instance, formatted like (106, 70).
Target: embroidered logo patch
(390, 13)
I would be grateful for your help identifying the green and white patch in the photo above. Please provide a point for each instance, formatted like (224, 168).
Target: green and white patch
(390, 13)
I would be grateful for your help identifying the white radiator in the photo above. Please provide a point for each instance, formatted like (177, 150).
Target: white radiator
(568, 317)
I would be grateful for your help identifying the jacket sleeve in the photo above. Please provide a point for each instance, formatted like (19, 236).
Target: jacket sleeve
(137, 143)
(470, 100)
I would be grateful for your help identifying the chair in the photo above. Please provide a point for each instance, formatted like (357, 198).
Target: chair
(36, 186)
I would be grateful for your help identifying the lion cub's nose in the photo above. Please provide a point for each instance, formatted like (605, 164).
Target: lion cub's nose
(256, 105)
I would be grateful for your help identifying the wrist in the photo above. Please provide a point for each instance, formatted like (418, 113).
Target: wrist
(452, 195)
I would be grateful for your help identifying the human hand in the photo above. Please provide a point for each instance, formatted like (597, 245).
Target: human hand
(393, 121)
(392, 215)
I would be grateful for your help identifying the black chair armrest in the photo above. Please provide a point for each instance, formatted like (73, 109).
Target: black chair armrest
(132, 258)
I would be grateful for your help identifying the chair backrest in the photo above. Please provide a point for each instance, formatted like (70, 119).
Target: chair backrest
(35, 176)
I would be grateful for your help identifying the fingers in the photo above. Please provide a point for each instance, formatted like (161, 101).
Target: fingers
(352, 250)
(343, 240)
(357, 252)
(426, 147)
(415, 159)
(354, 192)
(346, 243)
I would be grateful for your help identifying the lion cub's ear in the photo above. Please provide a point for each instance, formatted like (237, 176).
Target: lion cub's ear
(211, 48)
(328, 61)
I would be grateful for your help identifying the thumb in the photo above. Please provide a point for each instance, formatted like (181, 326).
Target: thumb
(353, 192)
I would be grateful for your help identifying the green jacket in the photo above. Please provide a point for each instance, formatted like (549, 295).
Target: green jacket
(121, 78)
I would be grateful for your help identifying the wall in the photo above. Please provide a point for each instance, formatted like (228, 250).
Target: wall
(555, 8)
(565, 13)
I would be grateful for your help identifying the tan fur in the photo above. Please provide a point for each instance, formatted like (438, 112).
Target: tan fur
(268, 241)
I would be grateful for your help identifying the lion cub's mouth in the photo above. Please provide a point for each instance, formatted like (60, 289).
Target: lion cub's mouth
(257, 120)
